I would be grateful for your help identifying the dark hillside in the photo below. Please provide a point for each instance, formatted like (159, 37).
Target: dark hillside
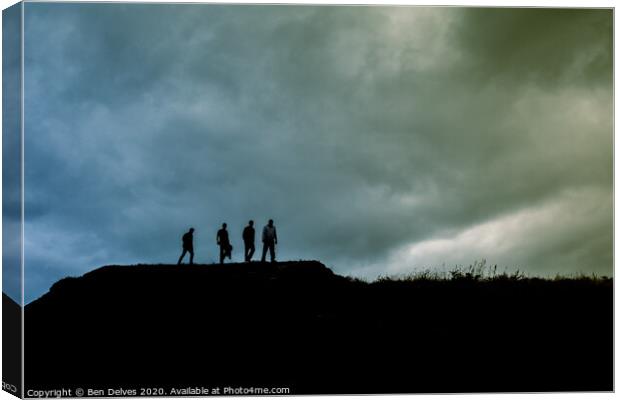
(11, 346)
(298, 325)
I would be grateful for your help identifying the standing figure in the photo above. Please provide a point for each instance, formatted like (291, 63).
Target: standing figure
(188, 246)
(248, 240)
(270, 239)
(224, 243)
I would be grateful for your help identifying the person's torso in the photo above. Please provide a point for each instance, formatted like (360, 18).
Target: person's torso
(223, 235)
(269, 232)
(187, 239)
(248, 234)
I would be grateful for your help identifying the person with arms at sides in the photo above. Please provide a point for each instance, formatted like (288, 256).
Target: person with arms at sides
(270, 239)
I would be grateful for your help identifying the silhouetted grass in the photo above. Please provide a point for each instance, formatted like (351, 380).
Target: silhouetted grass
(480, 271)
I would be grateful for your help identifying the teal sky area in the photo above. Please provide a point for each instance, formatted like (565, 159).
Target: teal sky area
(381, 140)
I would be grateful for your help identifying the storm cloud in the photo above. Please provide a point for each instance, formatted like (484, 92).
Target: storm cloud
(381, 140)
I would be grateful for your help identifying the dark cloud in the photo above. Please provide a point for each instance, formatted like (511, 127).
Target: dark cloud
(367, 133)
(543, 46)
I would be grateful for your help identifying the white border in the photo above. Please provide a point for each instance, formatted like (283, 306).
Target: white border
(478, 3)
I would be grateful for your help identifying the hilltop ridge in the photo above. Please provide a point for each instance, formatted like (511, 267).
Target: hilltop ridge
(299, 325)
(138, 279)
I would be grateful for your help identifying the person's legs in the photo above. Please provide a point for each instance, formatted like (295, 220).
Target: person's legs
(191, 257)
(272, 251)
(264, 252)
(222, 254)
(182, 255)
(251, 253)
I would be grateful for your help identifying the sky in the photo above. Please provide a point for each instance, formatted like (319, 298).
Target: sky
(381, 140)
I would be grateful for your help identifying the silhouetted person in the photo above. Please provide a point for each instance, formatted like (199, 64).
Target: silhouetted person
(188, 246)
(224, 243)
(270, 239)
(248, 240)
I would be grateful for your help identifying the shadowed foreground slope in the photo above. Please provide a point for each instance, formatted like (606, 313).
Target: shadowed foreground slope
(298, 325)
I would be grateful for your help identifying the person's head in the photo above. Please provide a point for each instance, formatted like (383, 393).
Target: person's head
(270, 222)
(251, 223)
(191, 230)
(224, 225)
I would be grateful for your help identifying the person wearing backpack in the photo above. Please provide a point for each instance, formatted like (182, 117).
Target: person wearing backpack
(224, 243)
(248, 241)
